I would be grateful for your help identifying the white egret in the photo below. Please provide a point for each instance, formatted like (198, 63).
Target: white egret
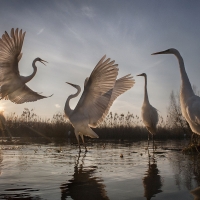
(148, 112)
(13, 86)
(190, 103)
(100, 90)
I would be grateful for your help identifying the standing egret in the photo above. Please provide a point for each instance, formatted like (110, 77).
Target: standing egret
(100, 90)
(13, 86)
(148, 112)
(190, 103)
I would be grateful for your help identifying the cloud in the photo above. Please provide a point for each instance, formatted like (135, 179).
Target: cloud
(57, 105)
(76, 35)
(40, 31)
(88, 11)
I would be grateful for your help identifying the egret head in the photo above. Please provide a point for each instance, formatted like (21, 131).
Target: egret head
(72, 84)
(76, 86)
(40, 60)
(143, 74)
(168, 51)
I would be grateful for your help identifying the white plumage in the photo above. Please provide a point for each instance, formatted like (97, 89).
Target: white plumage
(100, 90)
(190, 103)
(13, 86)
(148, 112)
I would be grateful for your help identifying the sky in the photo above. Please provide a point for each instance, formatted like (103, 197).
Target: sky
(74, 35)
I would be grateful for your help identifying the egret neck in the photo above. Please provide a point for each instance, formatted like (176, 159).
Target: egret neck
(26, 79)
(186, 88)
(146, 99)
(68, 110)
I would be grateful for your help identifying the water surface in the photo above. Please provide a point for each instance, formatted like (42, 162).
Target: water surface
(122, 170)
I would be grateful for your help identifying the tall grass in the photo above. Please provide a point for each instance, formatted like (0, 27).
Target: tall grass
(115, 126)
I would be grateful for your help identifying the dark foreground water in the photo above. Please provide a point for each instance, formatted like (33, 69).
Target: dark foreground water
(60, 172)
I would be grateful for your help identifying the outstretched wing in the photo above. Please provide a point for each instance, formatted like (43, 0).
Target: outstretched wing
(24, 94)
(10, 54)
(97, 91)
(121, 85)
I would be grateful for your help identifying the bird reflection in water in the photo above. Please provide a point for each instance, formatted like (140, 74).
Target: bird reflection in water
(195, 173)
(152, 181)
(1, 160)
(83, 185)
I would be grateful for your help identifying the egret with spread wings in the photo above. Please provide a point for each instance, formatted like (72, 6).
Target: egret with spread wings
(149, 113)
(13, 86)
(190, 103)
(100, 90)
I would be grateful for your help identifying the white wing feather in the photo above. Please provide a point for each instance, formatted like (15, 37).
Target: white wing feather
(97, 92)
(11, 85)
(24, 94)
(10, 54)
(193, 110)
(150, 118)
(121, 85)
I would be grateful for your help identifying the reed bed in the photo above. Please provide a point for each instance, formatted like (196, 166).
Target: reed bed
(114, 127)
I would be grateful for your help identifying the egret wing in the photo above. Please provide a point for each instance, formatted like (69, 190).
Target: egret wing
(154, 116)
(121, 85)
(10, 54)
(194, 109)
(97, 91)
(24, 94)
(150, 118)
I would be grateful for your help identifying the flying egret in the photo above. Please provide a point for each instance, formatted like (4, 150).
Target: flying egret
(13, 86)
(190, 103)
(100, 90)
(148, 112)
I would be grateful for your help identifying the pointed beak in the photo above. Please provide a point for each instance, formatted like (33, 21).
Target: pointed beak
(161, 52)
(43, 62)
(70, 84)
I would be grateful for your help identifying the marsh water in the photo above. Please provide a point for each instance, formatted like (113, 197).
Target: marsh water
(109, 170)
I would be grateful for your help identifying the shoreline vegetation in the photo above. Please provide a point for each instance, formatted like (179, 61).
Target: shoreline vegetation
(115, 127)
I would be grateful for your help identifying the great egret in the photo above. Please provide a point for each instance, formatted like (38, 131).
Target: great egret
(100, 90)
(148, 112)
(190, 103)
(12, 85)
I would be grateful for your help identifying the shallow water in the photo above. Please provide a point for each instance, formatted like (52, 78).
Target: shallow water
(60, 172)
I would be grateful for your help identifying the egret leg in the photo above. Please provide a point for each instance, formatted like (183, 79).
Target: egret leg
(77, 137)
(148, 141)
(84, 143)
(153, 142)
(148, 147)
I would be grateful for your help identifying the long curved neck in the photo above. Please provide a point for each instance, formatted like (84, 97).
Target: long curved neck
(28, 78)
(146, 99)
(186, 87)
(67, 109)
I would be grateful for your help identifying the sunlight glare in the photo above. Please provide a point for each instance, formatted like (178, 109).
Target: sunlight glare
(1, 108)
